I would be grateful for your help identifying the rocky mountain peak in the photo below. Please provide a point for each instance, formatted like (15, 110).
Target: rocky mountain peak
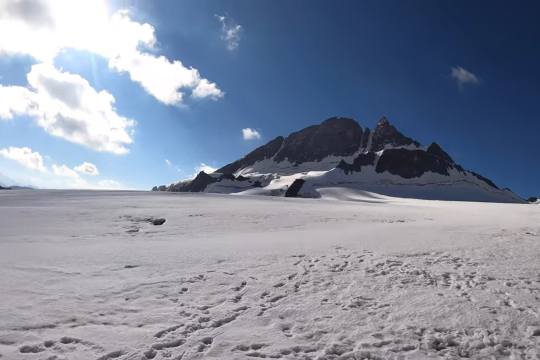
(335, 136)
(436, 150)
(386, 134)
(339, 149)
(383, 122)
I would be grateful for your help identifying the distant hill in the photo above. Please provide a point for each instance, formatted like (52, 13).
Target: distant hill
(340, 153)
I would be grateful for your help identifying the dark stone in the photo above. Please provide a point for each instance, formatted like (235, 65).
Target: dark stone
(363, 159)
(158, 221)
(386, 134)
(335, 136)
(484, 179)
(532, 199)
(411, 163)
(259, 154)
(257, 184)
(295, 187)
(436, 150)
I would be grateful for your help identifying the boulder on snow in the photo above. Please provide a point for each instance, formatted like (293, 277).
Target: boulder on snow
(294, 188)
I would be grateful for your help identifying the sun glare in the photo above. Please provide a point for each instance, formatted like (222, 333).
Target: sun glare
(81, 23)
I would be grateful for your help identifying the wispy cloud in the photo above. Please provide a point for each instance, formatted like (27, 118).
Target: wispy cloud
(250, 134)
(463, 77)
(230, 32)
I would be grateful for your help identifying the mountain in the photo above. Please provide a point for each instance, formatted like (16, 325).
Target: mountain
(339, 153)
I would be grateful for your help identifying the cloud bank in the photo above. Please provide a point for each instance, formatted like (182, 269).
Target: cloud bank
(66, 106)
(42, 29)
(57, 175)
(24, 156)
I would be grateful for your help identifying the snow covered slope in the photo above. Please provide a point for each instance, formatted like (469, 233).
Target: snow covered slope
(340, 153)
(86, 275)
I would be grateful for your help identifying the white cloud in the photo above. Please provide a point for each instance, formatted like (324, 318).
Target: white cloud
(206, 89)
(463, 77)
(204, 167)
(42, 29)
(16, 100)
(87, 168)
(250, 134)
(24, 156)
(66, 106)
(168, 162)
(230, 32)
(64, 170)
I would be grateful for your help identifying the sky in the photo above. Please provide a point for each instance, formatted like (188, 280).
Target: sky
(135, 93)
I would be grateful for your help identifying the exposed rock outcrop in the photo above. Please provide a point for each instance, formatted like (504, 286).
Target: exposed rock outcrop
(295, 187)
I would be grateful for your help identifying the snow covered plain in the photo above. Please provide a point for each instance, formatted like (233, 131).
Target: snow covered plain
(350, 276)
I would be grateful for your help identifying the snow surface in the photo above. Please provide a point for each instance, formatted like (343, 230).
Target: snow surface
(352, 275)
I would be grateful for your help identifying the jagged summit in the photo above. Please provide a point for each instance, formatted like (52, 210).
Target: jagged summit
(385, 134)
(334, 137)
(340, 152)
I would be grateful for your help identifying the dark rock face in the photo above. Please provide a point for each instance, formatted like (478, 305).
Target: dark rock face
(335, 136)
(363, 159)
(295, 187)
(411, 163)
(486, 180)
(436, 150)
(386, 134)
(201, 181)
(198, 184)
(259, 154)
(532, 199)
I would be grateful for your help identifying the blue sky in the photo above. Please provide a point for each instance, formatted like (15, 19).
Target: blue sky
(273, 67)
